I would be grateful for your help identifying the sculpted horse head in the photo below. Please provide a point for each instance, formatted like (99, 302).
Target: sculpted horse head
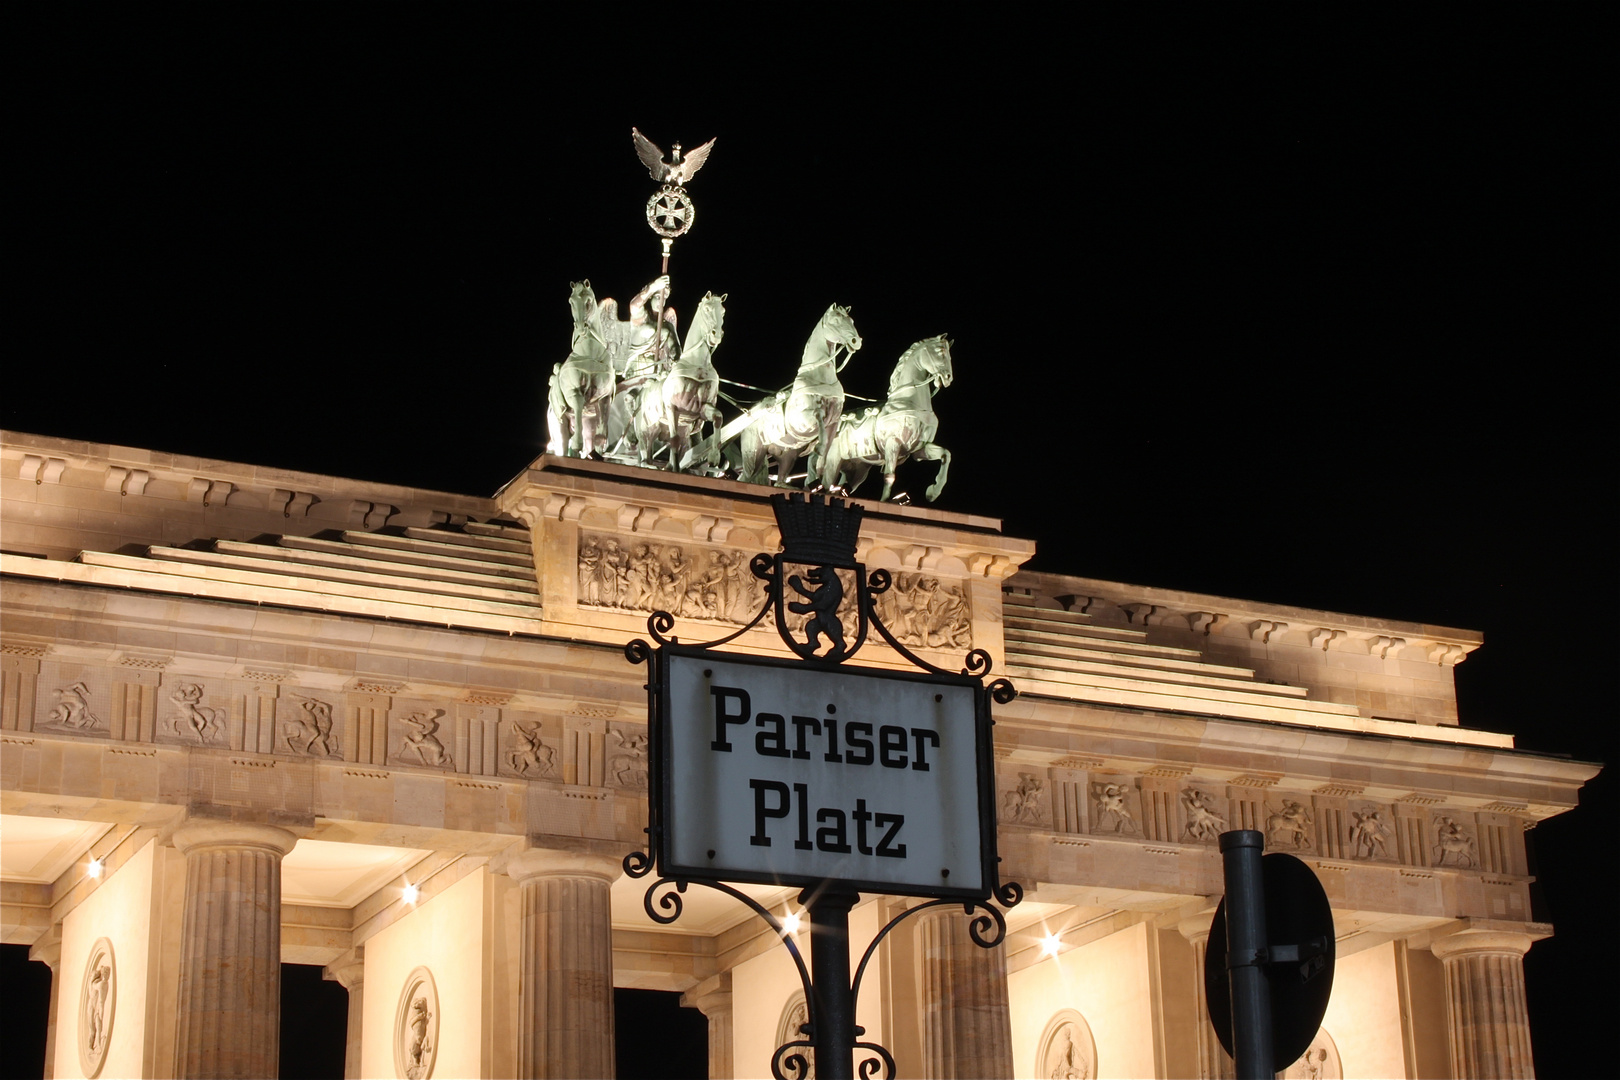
(931, 360)
(581, 300)
(838, 329)
(708, 325)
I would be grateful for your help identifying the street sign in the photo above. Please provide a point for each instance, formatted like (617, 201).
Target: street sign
(1299, 962)
(801, 773)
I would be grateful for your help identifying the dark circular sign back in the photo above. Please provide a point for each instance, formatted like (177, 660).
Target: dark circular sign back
(1297, 912)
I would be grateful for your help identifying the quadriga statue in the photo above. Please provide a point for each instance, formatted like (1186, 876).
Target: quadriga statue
(902, 429)
(674, 407)
(591, 394)
(797, 421)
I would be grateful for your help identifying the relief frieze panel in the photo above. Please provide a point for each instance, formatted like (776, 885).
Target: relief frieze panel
(1116, 808)
(526, 753)
(190, 716)
(1204, 816)
(627, 756)
(1289, 825)
(305, 727)
(1454, 843)
(685, 580)
(1024, 803)
(698, 582)
(417, 734)
(1372, 836)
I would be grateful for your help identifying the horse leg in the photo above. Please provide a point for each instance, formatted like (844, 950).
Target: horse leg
(891, 462)
(935, 452)
(575, 397)
(785, 460)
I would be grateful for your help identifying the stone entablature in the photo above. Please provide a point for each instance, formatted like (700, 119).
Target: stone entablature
(1372, 668)
(612, 544)
(63, 496)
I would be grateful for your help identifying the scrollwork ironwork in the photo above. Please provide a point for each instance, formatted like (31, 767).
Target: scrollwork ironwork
(797, 1062)
(1009, 894)
(637, 651)
(878, 581)
(1002, 691)
(670, 902)
(869, 1066)
(977, 662)
(660, 623)
(638, 864)
(992, 917)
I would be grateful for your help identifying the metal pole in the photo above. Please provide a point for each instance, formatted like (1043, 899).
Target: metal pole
(1246, 952)
(829, 977)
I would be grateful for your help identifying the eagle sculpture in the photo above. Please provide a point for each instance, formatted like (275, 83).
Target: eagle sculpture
(677, 170)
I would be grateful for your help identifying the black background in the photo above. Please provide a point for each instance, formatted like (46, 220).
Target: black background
(1301, 305)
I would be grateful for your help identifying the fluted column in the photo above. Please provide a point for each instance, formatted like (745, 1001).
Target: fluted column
(1485, 1006)
(712, 997)
(565, 1000)
(967, 1028)
(48, 951)
(229, 1007)
(1214, 1063)
(349, 972)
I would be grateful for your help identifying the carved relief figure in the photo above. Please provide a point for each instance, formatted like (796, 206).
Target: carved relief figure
(1203, 823)
(1290, 825)
(205, 723)
(96, 1012)
(420, 1044)
(709, 584)
(821, 605)
(1022, 805)
(530, 757)
(1065, 1061)
(1368, 833)
(72, 708)
(629, 766)
(1067, 1049)
(429, 750)
(1452, 843)
(1113, 815)
(313, 729)
(922, 611)
(98, 999)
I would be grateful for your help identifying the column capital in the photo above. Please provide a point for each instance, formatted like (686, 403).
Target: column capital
(348, 970)
(201, 833)
(47, 950)
(1483, 942)
(545, 862)
(711, 997)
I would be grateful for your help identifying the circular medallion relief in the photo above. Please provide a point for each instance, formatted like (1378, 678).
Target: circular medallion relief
(795, 1014)
(416, 1026)
(97, 996)
(1320, 1061)
(1067, 1051)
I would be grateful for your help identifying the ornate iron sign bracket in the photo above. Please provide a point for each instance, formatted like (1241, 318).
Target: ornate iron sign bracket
(822, 602)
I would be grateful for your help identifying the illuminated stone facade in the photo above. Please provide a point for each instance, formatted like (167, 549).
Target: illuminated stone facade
(393, 731)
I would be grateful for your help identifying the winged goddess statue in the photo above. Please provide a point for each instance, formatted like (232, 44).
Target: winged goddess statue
(677, 170)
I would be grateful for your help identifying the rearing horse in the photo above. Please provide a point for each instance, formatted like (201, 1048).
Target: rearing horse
(675, 407)
(797, 420)
(903, 429)
(580, 385)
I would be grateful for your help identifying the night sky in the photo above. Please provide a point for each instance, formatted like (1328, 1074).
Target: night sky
(1293, 304)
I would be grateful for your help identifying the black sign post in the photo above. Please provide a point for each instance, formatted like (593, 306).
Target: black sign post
(809, 772)
(1268, 971)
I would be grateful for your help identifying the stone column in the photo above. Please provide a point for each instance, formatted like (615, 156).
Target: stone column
(712, 997)
(967, 1028)
(565, 958)
(229, 1003)
(1214, 1063)
(1485, 1007)
(349, 971)
(48, 951)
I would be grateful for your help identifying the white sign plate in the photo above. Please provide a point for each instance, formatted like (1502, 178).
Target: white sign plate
(794, 773)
